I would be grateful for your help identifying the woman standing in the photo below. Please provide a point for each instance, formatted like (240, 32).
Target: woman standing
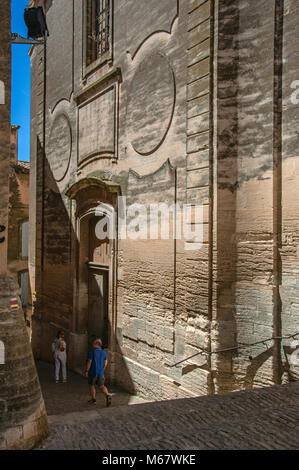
(59, 349)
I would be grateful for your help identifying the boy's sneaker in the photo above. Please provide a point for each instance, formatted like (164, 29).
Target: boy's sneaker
(108, 400)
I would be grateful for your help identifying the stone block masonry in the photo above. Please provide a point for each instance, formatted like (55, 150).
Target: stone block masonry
(23, 417)
(190, 106)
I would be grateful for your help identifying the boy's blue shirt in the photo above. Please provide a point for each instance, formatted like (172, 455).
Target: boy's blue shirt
(98, 358)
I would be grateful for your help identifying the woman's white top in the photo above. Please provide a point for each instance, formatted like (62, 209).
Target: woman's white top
(57, 343)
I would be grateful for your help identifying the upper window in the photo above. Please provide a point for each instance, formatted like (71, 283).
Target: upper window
(98, 39)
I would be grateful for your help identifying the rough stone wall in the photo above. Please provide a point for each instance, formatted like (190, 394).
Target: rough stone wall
(50, 221)
(23, 420)
(163, 311)
(5, 77)
(244, 227)
(196, 279)
(289, 177)
(23, 417)
(18, 213)
(157, 72)
(185, 108)
(253, 173)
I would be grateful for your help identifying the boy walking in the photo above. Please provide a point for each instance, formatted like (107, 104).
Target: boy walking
(95, 370)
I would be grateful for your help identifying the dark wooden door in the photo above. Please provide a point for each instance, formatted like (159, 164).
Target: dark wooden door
(98, 307)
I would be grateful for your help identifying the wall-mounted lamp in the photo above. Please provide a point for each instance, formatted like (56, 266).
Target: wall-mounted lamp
(36, 22)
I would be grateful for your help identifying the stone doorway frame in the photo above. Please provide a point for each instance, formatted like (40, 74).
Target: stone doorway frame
(88, 197)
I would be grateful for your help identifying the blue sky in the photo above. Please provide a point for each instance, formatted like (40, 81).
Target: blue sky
(20, 106)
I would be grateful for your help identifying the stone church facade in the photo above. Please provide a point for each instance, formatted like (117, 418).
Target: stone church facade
(186, 102)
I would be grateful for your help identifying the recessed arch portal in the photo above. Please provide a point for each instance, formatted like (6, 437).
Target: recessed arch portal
(95, 264)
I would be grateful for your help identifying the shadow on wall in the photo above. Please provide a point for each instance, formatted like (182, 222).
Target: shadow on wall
(227, 180)
(57, 298)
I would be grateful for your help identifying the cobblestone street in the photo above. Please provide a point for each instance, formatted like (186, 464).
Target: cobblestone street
(259, 419)
(73, 396)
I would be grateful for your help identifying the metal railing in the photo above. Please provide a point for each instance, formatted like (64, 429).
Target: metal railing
(202, 352)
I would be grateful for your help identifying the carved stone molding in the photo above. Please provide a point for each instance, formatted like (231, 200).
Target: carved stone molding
(155, 18)
(151, 104)
(60, 146)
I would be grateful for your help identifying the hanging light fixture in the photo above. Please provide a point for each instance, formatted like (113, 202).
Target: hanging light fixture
(36, 22)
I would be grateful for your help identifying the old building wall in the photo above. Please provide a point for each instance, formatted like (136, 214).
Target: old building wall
(19, 213)
(156, 69)
(162, 300)
(289, 175)
(183, 108)
(253, 63)
(23, 417)
(50, 219)
(244, 230)
(4, 133)
(18, 225)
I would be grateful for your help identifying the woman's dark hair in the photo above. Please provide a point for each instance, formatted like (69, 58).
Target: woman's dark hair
(59, 332)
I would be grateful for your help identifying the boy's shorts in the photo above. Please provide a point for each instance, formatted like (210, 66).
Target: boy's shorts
(100, 381)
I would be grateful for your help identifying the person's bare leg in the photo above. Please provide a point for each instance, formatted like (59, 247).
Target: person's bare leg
(106, 393)
(93, 392)
(104, 390)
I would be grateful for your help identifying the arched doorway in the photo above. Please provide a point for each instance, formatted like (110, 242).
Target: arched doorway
(94, 264)
(98, 284)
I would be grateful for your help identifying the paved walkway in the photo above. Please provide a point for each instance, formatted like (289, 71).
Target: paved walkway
(74, 395)
(259, 419)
